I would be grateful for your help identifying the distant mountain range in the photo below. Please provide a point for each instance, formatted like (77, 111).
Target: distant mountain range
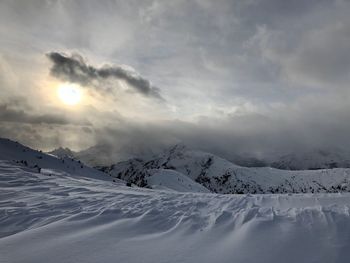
(182, 169)
(101, 154)
(221, 176)
(104, 155)
(314, 159)
(63, 161)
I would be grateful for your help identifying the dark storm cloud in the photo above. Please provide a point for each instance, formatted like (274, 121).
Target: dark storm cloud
(74, 69)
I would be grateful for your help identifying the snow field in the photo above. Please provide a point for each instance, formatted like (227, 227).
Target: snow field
(75, 219)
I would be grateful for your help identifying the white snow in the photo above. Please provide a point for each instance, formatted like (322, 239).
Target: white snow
(16, 152)
(72, 219)
(65, 214)
(50, 164)
(172, 180)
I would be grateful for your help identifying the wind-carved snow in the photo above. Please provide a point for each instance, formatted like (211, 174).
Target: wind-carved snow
(75, 219)
(59, 210)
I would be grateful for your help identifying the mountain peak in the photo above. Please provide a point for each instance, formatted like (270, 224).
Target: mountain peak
(62, 152)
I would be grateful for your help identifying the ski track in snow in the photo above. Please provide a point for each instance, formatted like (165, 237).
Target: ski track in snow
(60, 218)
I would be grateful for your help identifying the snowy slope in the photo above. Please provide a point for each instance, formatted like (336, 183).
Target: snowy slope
(172, 180)
(39, 161)
(50, 164)
(221, 176)
(66, 219)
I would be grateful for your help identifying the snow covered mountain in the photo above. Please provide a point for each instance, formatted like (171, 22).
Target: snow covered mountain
(101, 154)
(105, 155)
(62, 152)
(221, 176)
(311, 160)
(59, 210)
(44, 163)
(165, 179)
(66, 218)
(67, 162)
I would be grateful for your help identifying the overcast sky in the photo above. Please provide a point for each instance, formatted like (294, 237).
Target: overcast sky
(244, 76)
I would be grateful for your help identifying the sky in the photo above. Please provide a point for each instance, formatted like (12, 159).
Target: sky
(241, 76)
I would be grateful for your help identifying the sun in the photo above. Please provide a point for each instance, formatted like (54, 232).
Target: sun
(69, 94)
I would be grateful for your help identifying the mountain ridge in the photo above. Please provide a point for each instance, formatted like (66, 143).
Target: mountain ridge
(51, 164)
(221, 176)
(105, 155)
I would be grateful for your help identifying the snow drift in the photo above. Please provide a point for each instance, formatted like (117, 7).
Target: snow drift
(74, 219)
(59, 210)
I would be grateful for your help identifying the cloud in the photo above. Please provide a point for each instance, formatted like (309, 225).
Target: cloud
(74, 69)
(288, 130)
(322, 56)
(17, 114)
(46, 137)
(213, 59)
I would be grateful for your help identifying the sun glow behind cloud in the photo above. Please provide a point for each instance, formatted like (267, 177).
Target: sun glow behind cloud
(69, 94)
(237, 72)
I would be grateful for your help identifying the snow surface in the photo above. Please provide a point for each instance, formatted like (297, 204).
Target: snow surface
(172, 180)
(34, 160)
(75, 219)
